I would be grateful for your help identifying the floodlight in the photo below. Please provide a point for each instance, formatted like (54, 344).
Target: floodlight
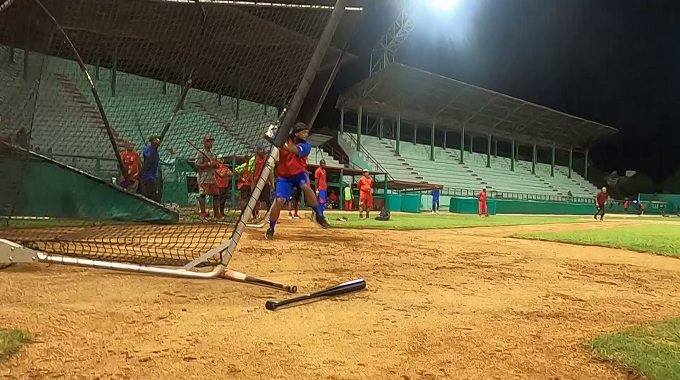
(443, 5)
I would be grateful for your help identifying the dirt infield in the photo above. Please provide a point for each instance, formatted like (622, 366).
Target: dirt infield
(440, 304)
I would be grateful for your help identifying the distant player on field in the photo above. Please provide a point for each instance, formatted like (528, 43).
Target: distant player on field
(481, 203)
(292, 171)
(347, 197)
(321, 186)
(435, 200)
(365, 185)
(149, 172)
(600, 203)
(206, 163)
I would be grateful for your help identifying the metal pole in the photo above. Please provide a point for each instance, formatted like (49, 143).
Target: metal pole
(462, 144)
(512, 156)
(342, 120)
(398, 134)
(585, 166)
(380, 128)
(97, 100)
(226, 250)
(495, 147)
(445, 133)
(571, 160)
(432, 142)
(552, 161)
(533, 160)
(415, 134)
(359, 120)
(488, 151)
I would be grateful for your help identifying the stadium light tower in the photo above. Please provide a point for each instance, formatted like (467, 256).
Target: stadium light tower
(384, 51)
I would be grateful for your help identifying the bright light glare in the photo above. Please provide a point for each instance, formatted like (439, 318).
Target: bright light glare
(443, 5)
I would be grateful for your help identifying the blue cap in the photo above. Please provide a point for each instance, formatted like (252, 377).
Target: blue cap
(259, 145)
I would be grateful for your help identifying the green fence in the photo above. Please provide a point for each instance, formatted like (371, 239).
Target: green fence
(40, 187)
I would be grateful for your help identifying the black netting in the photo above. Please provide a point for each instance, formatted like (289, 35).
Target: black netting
(182, 70)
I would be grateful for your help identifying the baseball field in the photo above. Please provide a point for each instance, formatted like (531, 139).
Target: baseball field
(448, 297)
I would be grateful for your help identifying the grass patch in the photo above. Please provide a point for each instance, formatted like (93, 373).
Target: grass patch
(653, 350)
(11, 341)
(445, 220)
(663, 239)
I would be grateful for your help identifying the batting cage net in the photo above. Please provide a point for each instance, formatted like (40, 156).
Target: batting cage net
(105, 106)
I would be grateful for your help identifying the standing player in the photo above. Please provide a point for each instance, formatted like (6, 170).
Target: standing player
(131, 162)
(365, 185)
(321, 186)
(600, 203)
(206, 163)
(149, 171)
(265, 195)
(292, 171)
(347, 197)
(481, 203)
(222, 176)
(294, 203)
(435, 200)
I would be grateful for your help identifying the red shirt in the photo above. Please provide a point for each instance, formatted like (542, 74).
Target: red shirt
(481, 196)
(132, 164)
(222, 175)
(365, 184)
(244, 178)
(259, 167)
(320, 176)
(601, 198)
(291, 164)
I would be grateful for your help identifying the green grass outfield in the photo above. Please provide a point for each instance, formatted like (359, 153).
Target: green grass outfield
(663, 239)
(653, 350)
(421, 221)
(11, 341)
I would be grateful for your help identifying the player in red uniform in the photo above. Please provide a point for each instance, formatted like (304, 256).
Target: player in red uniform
(222, 177)
(321, 186)
(365, 185)
(292, 171)
(132, 165)
(600, 203)
(481, 204)
(265, 195)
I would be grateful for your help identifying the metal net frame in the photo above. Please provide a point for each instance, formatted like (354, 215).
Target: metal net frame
(85, 83)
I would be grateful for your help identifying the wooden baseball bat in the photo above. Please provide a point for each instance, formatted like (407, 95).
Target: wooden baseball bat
(242, 277)
(345, 287)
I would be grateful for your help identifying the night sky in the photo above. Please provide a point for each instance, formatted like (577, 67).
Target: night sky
(616, 62)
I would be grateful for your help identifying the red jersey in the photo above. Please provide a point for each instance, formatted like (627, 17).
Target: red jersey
(222, 175)
(365, 184)
(601, 198)
(259, 167)
(320, 176)
(132, 164)
(244, 178)
(291, 164)
(481, 196)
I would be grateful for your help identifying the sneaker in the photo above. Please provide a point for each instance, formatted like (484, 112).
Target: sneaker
(290, 216)
(296, 216)
(432, 212)
(320, 220)
(436, 212)
(595, 217)
(204, 215)
(269, 235)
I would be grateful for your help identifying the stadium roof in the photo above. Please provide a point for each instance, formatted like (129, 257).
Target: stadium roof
(247, 46)
(421, 97)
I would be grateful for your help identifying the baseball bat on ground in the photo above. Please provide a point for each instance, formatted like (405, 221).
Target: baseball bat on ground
(242, 277)
(345, 287)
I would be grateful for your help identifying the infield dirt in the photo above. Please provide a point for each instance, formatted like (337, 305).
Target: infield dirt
(440, 304)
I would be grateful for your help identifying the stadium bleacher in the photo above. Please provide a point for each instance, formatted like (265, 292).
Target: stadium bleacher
(414, 165)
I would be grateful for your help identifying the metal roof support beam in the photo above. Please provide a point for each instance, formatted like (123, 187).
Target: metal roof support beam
(415, 134)
(512, 156)
(342, 120)
(534, 157)
(359, 119)
(495, 147)
(445, 133)
(462, 144)
(432, 142)
(381, 126)
(552, 161)
(488, 151)
(571, 160)
(585, 166)
(398, 134)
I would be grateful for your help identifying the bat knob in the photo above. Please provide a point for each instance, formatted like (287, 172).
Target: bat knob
(293, 289)
(270, 305)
